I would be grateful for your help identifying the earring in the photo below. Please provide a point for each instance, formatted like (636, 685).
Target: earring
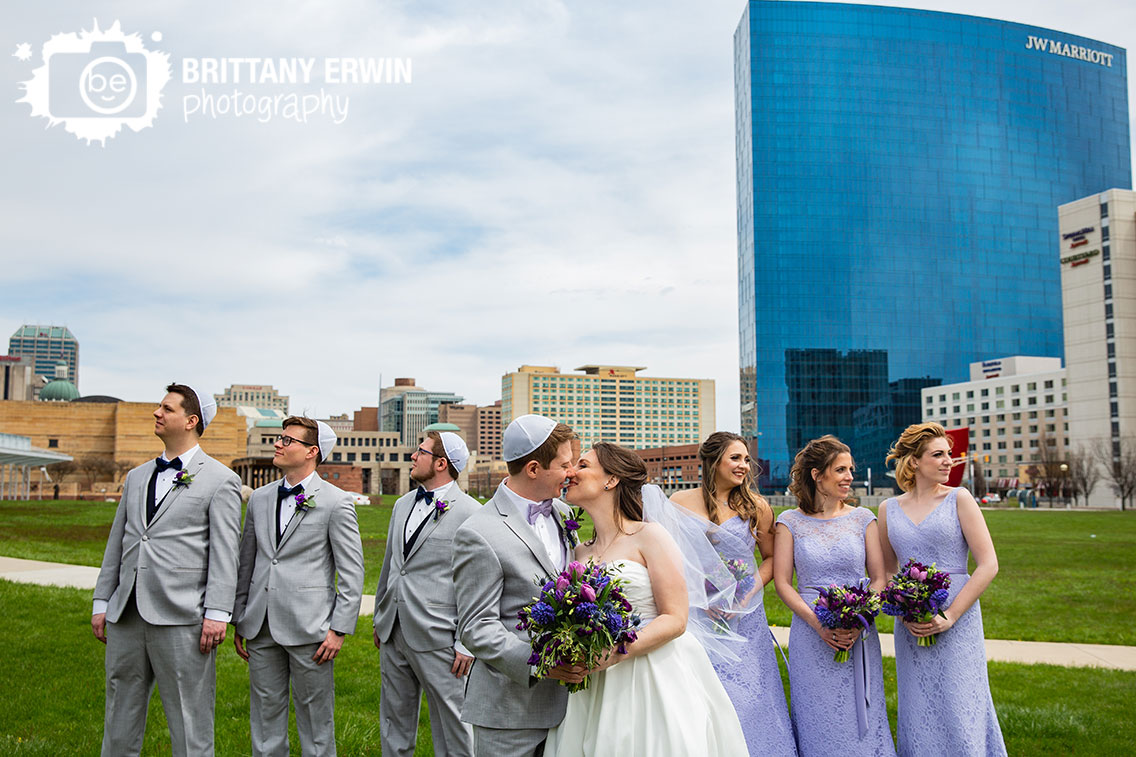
(606, 487)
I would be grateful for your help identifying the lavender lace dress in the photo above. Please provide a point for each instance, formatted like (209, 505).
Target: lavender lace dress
(943, 692)
(753, 683)
(838, 707)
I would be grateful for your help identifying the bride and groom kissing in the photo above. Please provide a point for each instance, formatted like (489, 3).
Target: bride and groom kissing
(662, 696)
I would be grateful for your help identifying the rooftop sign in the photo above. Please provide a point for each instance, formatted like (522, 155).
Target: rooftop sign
(1069, 51)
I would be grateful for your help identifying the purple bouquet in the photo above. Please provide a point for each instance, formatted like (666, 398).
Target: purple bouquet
(917, 593)
(850, 606)
(578, 618)
(743, 583)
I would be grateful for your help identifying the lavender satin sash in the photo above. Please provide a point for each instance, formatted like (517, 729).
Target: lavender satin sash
(861, 681)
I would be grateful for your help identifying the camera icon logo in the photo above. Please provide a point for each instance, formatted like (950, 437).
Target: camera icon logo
(105, 81)
(95, 82)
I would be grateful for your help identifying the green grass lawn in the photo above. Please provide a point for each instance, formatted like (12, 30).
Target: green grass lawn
(1064, 576)
(54, 677)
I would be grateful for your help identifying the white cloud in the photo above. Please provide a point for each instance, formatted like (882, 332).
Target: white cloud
(556, 186)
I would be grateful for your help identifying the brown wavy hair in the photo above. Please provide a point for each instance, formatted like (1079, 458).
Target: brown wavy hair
(910, 445)
(818, 454)
(743, 498)
(632, 473)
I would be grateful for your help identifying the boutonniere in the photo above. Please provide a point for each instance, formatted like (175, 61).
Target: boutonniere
(181, 478)
(305, 501)
(572, 525)
(441, 507)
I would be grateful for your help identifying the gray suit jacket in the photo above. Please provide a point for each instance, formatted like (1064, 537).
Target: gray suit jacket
(185, 560)
(294, 584)
(497, 559)
(419, 589)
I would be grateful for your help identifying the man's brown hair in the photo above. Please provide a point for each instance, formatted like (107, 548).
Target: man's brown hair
(189, 404)
(312, 438)
(545, 453)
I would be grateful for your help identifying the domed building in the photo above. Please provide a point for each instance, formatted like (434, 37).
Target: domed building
(59, 389)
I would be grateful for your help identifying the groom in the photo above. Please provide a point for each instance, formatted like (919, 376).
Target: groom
(517, 536)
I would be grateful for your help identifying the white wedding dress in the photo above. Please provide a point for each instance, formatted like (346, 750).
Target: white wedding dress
(666, 702)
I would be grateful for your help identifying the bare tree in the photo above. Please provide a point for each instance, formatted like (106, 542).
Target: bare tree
(978, 478)
(1084, 472)
(1119, 464)
(60, 471)
(95, 467)
(1049, 474)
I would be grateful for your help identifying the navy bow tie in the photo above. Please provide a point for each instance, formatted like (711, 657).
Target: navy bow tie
(423, 494)
(166, 465)
(538, 509)
(285, 492)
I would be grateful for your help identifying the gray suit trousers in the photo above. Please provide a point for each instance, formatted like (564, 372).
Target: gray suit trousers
(139, 654)
(404, 674)
(508, 742)
(271, 668)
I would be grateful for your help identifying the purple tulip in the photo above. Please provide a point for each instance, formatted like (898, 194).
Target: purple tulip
(562, 583)
(588, 593)
(576, 569)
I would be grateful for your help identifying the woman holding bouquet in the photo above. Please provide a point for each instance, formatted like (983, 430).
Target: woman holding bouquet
(737, 520)
(838, 707)
(661, 697)
(944, 704)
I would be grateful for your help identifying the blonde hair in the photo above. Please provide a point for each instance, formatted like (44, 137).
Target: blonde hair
(912, 443)
(819, 454)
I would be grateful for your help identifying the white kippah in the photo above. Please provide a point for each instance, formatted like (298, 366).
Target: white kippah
(525, 434)
(208, 407)
(326, 438)
(456, 451)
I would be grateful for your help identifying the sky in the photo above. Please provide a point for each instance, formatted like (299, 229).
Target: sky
(554, 185)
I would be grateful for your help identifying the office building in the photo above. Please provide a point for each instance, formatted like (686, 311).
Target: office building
(45, 346)
(897, 176)
(1016, 410)
(489, 431)
(612, 403)
(260, 396)
(673, 468)
(17, 378)
(1098, 287)
(406, 408)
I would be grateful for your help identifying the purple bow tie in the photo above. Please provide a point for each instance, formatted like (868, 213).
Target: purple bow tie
(538, 509)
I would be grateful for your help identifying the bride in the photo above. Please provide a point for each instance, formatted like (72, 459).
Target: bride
(662, 697)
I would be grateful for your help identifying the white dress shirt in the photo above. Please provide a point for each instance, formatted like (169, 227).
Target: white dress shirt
(545, 528)
(423, 510)
(288, 504)
(162, 485)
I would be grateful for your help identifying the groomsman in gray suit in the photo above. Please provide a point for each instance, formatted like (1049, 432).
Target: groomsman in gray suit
(165, 591)
(517, 536)
(415, 612)
(291, 613)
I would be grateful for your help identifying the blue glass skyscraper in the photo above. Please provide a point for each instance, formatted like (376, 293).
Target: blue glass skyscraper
(899, 173)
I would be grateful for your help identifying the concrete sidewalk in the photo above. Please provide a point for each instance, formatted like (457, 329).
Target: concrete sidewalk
(1111, 656)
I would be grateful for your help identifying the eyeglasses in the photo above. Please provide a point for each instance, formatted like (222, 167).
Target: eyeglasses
(425, 452)
(286, 440)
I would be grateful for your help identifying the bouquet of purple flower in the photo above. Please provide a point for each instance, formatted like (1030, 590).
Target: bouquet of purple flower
(578, 618)
(850, 606)
(917, 593)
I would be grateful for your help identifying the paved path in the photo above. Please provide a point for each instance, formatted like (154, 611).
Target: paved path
(1071, 655)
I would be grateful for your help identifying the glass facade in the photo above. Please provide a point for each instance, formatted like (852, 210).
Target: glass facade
(899, 173)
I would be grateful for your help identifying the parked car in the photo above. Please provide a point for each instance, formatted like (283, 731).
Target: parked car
(359, 499)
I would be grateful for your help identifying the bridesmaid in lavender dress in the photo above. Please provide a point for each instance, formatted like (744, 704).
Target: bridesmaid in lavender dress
(738, 521)
(838, 707)
(943, 692)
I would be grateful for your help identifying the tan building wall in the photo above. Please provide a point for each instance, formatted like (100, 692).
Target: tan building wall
(1097, 243)
(612, 403)
(465, 418)
(121, 431)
